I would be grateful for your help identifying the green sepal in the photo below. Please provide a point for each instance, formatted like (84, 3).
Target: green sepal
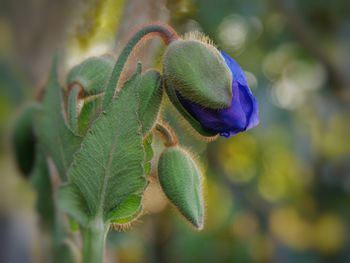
(150, 93)
(191, 120)
(199, 73)
(181, 181)
(58, 140)
(23, 139)
(91, 74)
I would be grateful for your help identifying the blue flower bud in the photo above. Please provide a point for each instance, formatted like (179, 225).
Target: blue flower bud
(240, 116)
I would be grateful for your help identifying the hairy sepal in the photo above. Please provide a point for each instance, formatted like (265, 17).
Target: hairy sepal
(199, 73)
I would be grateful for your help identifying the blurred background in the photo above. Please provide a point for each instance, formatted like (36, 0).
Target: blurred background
(278, 193)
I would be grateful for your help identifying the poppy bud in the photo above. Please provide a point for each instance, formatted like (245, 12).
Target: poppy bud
(209, 89)
(91, 74)
(181, 181)
(197, 71)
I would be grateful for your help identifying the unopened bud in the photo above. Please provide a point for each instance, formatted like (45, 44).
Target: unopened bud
(181, 181)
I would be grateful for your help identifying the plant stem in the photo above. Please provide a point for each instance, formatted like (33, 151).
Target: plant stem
(167, 134)
(94, 239)
(165, 32)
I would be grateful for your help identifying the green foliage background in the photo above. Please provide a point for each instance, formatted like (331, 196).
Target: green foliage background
(278, 193)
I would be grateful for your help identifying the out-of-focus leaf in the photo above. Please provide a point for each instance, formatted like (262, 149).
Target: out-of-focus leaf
(40, 178)
(23, 139)
(58, 140)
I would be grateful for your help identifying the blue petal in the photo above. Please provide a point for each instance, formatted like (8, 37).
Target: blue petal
(237, 72)
(227, 122)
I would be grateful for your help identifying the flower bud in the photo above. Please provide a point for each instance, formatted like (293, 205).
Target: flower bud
(181, 182)
(197, 71)
(196, 77)
(91, 74)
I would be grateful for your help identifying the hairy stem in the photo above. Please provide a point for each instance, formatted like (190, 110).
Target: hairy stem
(94, 239)
(167, 133)
(165, 32)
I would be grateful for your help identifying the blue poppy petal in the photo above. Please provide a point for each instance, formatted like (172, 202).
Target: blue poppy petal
(250, 106)
(230, 120)
(237, 72)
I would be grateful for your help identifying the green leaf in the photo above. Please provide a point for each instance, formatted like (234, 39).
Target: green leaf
(181, 182)
(91, 74)
(147, 145)
(151, 92)
(128, 210)
(58, 140)
(67, 252)
(108, 168)
(40, 179)
(72, 108)
(23, 139)
(72, 202)
(90, 111)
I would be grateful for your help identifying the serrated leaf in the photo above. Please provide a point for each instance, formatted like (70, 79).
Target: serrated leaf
(59, 142)
(180, 180)
(108, 168)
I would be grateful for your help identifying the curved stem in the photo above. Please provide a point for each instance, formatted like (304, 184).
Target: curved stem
(167, 133)
(165, 32)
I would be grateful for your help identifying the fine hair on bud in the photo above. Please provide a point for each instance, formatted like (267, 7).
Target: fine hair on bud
(181, 181)
(197, 71)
